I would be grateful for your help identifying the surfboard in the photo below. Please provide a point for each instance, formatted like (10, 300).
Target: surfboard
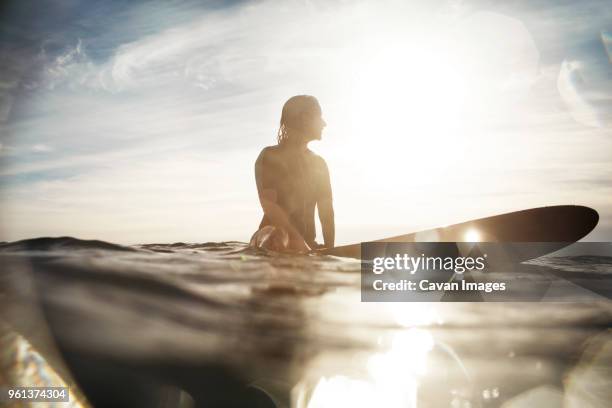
(559, 225)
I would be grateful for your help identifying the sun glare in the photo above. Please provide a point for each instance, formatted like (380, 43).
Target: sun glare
(392, 380)
(406, 108)
(416, 102)
(405, 91)
(472, 236)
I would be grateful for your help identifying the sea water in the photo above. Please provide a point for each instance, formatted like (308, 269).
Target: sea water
(218, 324)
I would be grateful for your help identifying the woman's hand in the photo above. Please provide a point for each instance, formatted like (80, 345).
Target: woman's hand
(315, 246)
(318, 248)
(298, 244)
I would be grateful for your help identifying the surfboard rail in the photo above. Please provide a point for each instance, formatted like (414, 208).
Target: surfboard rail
(564, 224)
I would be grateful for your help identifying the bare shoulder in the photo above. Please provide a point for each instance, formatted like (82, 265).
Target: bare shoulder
(317, 160)
(267, 152)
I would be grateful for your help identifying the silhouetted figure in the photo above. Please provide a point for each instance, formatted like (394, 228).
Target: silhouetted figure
(292, 181)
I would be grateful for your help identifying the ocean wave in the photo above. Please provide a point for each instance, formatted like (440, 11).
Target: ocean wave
(61, 243)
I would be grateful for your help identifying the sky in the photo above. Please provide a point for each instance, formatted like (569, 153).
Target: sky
(139, 122)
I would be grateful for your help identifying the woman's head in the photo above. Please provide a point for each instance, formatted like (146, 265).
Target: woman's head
(301, 118)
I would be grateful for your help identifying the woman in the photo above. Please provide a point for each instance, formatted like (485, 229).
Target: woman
(292, 181)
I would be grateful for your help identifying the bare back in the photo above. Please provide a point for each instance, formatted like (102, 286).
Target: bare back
(298, 181)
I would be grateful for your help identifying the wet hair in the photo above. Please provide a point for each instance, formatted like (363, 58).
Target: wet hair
(292, 113)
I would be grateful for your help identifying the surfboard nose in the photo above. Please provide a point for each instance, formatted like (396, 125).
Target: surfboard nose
(571, 223)
(589, 218)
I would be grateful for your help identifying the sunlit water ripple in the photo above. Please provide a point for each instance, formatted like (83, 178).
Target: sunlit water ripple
(294, 326)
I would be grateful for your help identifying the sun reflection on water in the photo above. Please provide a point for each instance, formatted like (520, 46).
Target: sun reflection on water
(390, 378)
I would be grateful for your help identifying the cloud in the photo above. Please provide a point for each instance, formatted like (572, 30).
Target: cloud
(6, 103)
(226, 47)
(42, 148)
(147, 127)
(571, 85)
(71, 66)
(179, 197)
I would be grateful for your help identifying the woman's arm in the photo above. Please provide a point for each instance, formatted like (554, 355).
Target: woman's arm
(325, 208)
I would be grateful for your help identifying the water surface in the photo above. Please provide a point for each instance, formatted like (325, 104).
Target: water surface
(216, 319)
